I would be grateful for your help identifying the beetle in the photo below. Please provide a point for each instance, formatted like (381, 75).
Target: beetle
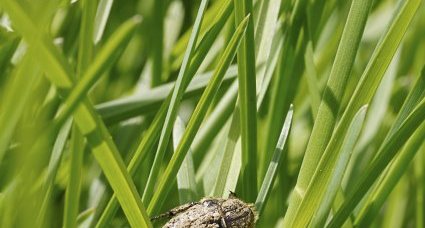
(212, 212)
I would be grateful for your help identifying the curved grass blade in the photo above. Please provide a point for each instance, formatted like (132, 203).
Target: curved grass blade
(198, 115)
(271, 173)
(182, 79)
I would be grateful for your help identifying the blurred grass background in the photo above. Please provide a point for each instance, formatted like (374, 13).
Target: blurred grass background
(112, 112)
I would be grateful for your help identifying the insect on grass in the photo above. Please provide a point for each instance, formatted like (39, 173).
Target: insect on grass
(212, 212)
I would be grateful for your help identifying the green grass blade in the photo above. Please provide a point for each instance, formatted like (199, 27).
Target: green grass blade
(386, 154)
(247, 101)
(186, 182)
(154, 130)
(327, 200)
(365, 89)
(376, 200)
(85, 55)
(106, 57)
(330, 105)
(104, 149)
(271, 173)
(102, 15)
(182, 79)
(52, 170)
(401, 162)
(195, 121)
(16, 95)
(312, 81)
(146, 102)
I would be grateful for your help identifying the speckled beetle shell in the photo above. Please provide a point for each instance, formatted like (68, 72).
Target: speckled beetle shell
(213, 212)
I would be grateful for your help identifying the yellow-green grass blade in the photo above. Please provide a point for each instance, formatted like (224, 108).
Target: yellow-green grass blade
(195, 121)
(104, 150)
(271, 173)
(182, 79)
(330, 105)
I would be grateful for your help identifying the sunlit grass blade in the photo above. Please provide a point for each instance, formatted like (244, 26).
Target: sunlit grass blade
(331, 100)
(186, 182)
(271, 173)
(182, 79)
(195, 121)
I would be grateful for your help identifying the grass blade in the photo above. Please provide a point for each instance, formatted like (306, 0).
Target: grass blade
(364, 91)
(195, 121)
(332, 95)
(349, 143)
(182, 79)
(247, 102)
(186, 182)
(271, 173)
(89, 123)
